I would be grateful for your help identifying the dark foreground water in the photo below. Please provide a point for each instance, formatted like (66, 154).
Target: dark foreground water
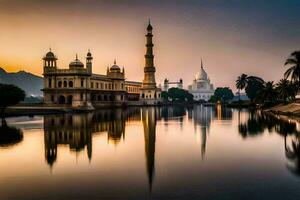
(151, 153)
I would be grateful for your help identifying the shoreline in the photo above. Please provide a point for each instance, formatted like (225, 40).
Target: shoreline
(289, 111)
(40, 109)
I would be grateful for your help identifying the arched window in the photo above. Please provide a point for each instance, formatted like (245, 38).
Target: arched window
(52, 98)
(59, 83)
(65, 84)
(99, 98)
(70, 83)
(82, 82)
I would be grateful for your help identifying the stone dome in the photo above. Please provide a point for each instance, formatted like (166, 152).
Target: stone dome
(115, 67)
(76, 63)
(50, 56)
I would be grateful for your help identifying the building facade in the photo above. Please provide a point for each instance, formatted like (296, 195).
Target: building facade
(201, 87)
(77, 86)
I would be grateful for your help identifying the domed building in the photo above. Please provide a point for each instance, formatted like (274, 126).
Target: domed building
(201, 87)
(77, 87)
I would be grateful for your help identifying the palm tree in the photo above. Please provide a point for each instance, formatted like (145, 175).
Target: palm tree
(285, 89)
(241, 83)
(294, 71)
(268, 92)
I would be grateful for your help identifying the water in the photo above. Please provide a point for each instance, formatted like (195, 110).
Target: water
(151, 153)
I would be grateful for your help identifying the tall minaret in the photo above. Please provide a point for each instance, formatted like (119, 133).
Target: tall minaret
(149, 69)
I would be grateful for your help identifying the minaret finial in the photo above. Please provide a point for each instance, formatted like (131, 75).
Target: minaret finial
(50, 48)
(115, 62)
(76, 56)
(149, 28)
(201, 64)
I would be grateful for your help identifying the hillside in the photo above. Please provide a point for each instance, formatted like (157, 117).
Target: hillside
(30, 83)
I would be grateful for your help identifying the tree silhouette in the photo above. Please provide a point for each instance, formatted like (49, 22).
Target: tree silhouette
(10, 136)
(9, 95)
(294, 71)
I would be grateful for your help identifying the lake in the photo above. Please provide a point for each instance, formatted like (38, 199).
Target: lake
(151, 153)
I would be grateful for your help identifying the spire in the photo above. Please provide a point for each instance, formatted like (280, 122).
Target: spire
(149, 28)
(115, 62)
(76, 56)
(201, 64)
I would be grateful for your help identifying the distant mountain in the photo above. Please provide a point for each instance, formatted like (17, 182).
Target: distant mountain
(30, 83)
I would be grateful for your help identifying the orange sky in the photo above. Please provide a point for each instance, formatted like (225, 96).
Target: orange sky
(230, 41)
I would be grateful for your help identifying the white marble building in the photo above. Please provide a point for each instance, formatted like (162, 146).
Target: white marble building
(201, 87)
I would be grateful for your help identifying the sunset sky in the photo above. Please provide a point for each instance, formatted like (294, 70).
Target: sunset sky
(232, 36)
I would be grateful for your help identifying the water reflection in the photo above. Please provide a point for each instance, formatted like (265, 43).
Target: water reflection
(149, 118)
(160, 150)
(76, 130)
(258, 122)
(10, 136)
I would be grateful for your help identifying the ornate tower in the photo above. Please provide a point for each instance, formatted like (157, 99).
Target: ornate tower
(149, 69)
(150, 94)
(89, 60)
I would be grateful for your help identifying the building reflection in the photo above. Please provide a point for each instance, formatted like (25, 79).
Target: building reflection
(76, 130)
(202, 118)
(150, 115)
(72, 130)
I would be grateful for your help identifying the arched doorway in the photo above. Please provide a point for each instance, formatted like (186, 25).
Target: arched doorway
(61, 100)
(70, 99)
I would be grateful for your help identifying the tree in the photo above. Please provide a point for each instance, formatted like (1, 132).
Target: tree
(178, 95)
(9, 95)
(286, 90)
(164, 95)
(241, 83)
(223, 94)
(267, 93)
(254, 85)
(294, 71)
